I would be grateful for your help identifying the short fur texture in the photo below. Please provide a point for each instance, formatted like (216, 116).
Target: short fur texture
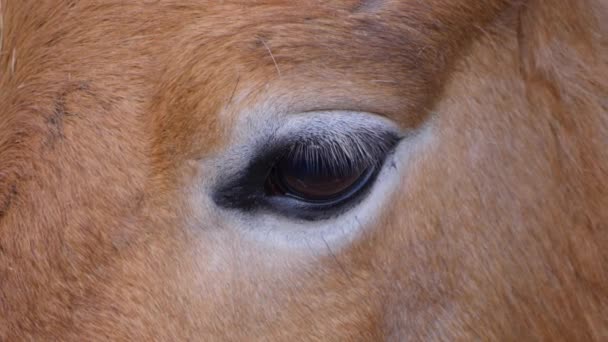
(500, 232)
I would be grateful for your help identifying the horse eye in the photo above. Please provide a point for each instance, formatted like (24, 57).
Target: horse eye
(312, 179)
(311, 171)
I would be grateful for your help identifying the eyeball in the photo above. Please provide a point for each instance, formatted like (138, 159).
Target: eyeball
(311, 178)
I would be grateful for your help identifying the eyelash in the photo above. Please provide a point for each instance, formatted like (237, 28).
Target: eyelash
(355, 151)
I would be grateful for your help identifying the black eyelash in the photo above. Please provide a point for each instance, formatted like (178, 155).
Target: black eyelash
(333, 154)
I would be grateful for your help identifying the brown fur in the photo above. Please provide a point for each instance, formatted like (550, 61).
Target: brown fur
(499, 231)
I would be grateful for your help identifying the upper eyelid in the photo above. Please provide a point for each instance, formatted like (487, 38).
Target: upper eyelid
(261, 138)
(334, 127)
(359, 151)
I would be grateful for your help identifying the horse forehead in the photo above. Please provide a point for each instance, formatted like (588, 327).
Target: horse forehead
(180, 65)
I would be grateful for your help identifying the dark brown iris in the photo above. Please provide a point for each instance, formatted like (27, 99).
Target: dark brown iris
(314, 181)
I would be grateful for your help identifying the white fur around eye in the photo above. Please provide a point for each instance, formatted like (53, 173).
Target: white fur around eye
(280, 231)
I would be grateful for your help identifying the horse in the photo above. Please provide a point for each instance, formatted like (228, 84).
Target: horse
(340, 170)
